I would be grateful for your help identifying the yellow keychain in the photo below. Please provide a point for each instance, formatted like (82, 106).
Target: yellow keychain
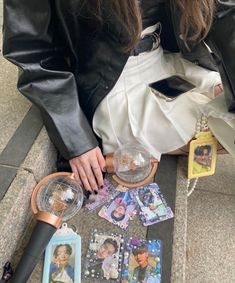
(202, 155)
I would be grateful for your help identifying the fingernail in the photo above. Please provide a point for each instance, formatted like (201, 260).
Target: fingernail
(101, 187)
(104, 169)
(95, 192)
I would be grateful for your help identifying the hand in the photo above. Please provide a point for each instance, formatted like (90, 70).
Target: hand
(87, 169)
(218, 89)
(57, 263)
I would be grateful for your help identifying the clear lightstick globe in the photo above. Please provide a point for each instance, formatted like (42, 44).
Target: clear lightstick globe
(132, 163)
(61, 196)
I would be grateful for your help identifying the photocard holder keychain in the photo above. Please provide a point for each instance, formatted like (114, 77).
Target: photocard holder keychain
(202, 154)
(62, 262)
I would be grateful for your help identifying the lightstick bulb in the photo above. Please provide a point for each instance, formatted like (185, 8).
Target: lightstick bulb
(55, 199)
(133, 166)
(61, 196)
(132, 163)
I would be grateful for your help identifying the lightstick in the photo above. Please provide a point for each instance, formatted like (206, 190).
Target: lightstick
(56, 198)
(133, 166)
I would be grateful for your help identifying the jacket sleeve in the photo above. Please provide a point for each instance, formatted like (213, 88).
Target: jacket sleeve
(45, 76)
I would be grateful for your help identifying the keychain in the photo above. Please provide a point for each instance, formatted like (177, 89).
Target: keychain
(202, 154)
(62, 261)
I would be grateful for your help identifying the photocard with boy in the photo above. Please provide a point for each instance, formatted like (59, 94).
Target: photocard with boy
(142, 261)
(120, 210)
(104, 257)
(152, 206)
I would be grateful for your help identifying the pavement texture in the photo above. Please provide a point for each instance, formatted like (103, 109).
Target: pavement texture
(211, 227)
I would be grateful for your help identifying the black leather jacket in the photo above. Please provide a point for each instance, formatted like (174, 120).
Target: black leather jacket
(68, 63)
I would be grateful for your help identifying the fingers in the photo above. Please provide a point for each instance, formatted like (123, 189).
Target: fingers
(101, 160)
(99, 167)
(87, 169)
(98, 175)
(87, 179)
(75, 173)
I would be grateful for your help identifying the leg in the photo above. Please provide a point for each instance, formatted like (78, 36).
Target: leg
(180, 151)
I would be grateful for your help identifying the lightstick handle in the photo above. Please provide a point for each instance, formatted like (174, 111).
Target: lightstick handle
(39, 239)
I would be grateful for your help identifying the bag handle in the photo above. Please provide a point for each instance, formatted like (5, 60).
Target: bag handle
(227, 3)
(229, 7)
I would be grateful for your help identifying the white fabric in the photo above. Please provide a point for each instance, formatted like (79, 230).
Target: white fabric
(63, 276)
(221, 123)
(131, 113)
(150, 29)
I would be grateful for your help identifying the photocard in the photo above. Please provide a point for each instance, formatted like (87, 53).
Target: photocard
(142, 261)
(103, 196)
(104, 257)
(152, 205)
(120, 210)
(62, 261)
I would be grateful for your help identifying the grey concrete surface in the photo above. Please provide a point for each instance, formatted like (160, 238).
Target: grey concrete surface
(224, 179)
(15, 213)
(206, 221)
(180, 226)
(211, 238)
(15, 208)
(41, 158)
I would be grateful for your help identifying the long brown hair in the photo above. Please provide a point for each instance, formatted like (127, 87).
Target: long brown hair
(196, 18)
(195, 22)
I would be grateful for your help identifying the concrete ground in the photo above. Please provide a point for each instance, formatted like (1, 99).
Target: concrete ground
(211, 227)
(204, 245)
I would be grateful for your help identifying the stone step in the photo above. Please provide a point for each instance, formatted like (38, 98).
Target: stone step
(15, 208)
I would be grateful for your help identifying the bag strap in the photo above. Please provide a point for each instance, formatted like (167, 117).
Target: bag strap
(229, 3)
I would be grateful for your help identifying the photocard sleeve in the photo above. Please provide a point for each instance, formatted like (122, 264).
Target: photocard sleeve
(63, 259)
